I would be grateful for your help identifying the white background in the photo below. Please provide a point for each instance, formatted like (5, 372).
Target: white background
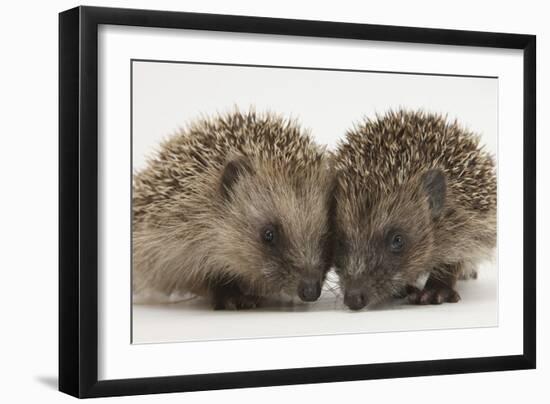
(328, 103)
(29, 199)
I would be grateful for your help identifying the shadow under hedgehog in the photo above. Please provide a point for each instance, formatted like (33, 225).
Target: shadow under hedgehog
(234, 208)
(414, 196)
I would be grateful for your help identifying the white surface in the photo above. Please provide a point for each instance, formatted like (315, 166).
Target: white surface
(29, 257)
(120, 359)
(194, 320)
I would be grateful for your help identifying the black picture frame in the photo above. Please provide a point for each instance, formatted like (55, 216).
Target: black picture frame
(78, 200)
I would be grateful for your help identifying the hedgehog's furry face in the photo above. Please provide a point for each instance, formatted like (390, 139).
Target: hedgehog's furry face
(273, 230)
(384, 243)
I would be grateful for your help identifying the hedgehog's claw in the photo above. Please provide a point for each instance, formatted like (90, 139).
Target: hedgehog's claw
(464, 276)
(429, 295)
(236, 302)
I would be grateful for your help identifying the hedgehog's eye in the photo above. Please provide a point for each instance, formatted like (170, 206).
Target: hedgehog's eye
(268, 235)
(397, 242)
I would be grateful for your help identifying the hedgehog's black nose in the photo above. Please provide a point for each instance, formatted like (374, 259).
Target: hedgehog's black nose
(355, 299)
(309, 291)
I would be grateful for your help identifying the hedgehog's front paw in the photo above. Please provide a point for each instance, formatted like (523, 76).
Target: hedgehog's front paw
(467, 275)
(432, 295)
(236, 302)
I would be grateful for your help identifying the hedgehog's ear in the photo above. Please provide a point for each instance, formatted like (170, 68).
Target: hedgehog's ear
(435, 185)
(232, 171)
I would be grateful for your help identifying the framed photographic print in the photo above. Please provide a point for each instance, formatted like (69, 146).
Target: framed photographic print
(250, 201)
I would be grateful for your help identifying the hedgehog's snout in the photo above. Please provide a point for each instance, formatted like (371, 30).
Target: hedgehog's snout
(309, 290)
(355, 299)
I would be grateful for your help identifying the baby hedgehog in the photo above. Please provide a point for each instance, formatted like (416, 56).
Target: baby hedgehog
(234, 208)
(414, 195)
